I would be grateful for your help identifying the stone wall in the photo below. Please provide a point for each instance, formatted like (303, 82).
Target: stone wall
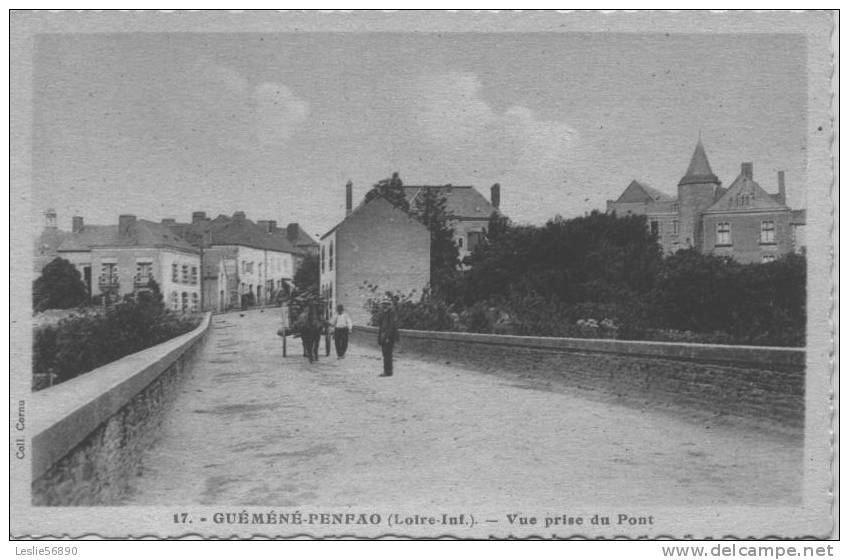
(763, 383)
(89, 452)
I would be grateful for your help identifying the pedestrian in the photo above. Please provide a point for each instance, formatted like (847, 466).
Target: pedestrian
(387, 335)
(342, 325)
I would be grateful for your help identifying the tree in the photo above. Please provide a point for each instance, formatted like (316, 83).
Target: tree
(60, 286)
(392, 190)
(430, 208)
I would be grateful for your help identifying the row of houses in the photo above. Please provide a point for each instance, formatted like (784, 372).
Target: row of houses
(210, 264)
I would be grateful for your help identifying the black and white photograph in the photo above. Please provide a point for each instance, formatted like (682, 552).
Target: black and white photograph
(423, 274)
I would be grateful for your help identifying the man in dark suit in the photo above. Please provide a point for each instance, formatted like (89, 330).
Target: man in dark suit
(387, 336)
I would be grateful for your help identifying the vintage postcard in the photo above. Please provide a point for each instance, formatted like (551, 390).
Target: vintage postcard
(423, 274)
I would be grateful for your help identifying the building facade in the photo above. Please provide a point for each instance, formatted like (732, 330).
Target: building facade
(249, 263)
(742, 221)
(116, 260)
(376, 244)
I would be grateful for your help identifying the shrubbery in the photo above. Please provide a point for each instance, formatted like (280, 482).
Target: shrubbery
(93, 338)
(601, 276)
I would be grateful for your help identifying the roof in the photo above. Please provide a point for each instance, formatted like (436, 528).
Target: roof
(142, 233)
(304, 239)
(226, 230)
(745, 195)
(361, 208)
(640, 192)
(461, 201)
(699, 170)
(798, 217)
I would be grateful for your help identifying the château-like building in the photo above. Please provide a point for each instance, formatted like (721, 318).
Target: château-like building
(742, 221)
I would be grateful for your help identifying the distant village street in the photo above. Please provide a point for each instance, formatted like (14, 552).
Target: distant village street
(251, 427)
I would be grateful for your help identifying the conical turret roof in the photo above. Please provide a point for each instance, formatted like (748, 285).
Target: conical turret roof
(699, 170)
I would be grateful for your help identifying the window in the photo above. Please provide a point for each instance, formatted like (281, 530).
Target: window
(768, 232)
(175, 273)
(473, 239)
(767, 258)
(195, 302)
(194, 275)
(675, 227)
(108, 274)
(654, 225)
(330, 257)
(676, 207)
(322, 258)
(144, 273)
(723, 233)
(185, 302)
(175, 301)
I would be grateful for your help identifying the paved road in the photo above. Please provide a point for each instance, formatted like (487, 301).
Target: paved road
(250, 427)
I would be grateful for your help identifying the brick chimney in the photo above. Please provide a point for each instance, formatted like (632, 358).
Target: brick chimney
(239, 216)
(198, 217)
(125, 225)
(746, 169)
(495, 195)
(50, 218)
(77, 224)
(292, 232)
(349, 197)
(782, 192)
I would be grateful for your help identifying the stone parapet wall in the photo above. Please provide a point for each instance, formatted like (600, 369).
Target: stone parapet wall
(91, 431)
(749, 381)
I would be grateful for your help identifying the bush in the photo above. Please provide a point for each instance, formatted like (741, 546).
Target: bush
(60, 286)
(81, 343)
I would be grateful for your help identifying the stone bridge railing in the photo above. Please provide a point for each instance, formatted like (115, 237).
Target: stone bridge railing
(90, 431)
(751, 381)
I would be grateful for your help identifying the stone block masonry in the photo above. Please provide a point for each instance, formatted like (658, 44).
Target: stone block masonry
(92, 430)
(767, 384)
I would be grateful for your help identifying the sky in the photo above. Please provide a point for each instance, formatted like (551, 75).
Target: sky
(163, 124)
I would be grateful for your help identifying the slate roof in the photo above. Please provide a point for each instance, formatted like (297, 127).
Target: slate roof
(226, 230)
(640, 192)
(745, 195)
(461, 201)
(699, 170)
(143, 233)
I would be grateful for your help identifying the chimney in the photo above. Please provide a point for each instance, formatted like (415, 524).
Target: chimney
(50, 218)
(747, 171)
(349, 197)
(168, 222)
(239, 216)
(782, 192)
(77, 224)
(198, 217)
(495, 195)
(292, 232)
(125, 225)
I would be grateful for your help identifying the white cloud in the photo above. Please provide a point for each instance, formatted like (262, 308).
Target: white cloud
(514, 146)
(278, 113)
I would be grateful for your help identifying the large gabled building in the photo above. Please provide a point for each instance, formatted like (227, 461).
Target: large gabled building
(742, 221)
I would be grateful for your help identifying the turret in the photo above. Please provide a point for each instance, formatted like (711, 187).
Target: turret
(697, 191)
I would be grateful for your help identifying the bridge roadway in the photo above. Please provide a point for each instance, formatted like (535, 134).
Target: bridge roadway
(252, 428)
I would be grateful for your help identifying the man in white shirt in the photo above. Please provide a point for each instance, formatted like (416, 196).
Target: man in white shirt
(342, 326)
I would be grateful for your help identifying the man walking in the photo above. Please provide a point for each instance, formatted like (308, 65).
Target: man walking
(342, 326)
(387, 336)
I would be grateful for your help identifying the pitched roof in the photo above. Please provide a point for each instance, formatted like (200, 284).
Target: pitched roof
(745, 195)
(304, 239)
(226, 230)
(361, 208)
(461, 201)
(640, 192)
(699, 170)
(142, 233)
